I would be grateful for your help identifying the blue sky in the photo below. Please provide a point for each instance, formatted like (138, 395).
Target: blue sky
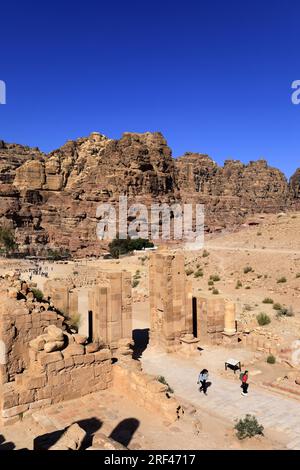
(213, 77)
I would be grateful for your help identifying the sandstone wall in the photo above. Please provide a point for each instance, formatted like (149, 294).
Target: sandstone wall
(54, 377)
(51, 200)
(146, 391)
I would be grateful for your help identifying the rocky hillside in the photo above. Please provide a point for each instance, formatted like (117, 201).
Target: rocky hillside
(51, 200)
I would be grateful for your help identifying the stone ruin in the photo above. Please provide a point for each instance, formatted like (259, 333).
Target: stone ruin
(103, 311)
(180, 319)
(45, 361)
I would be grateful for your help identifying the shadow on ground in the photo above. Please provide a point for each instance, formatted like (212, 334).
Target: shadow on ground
(90, 426)
(6, 445)
(124, 431)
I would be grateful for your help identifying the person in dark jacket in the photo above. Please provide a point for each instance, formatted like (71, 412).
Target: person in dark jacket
(203, 376)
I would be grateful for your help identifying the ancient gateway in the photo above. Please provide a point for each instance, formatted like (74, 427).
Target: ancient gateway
(44, 361)
(178, 316)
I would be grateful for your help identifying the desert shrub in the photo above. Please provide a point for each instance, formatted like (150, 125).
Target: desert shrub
(198, 273)
(135, 282)
(247, 269)
(38, 294)
(297, 275)
(271, 359)
(162, 380)
(247, 307)
(205, 254)
(259, 234)
(7, 239)
(248, 287)
(215, 277)
(56, 255)
(215, 291)
(137, 275)
(210, 282)
(248, 427)
(277, 306)
(189, 271)
(268, 300)
(198, 266)
(285, 312)
(263, 319)
(238, 284)
(281, 280)
(75, 321)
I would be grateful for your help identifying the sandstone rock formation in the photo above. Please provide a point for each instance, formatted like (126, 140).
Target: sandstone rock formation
(51, 200)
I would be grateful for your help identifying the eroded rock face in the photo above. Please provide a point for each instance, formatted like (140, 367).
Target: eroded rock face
(295, 186)
(51, 200)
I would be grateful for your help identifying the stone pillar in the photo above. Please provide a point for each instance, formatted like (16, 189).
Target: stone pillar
(229, 319)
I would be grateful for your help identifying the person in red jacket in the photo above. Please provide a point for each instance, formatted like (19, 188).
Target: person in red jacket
(245, 385)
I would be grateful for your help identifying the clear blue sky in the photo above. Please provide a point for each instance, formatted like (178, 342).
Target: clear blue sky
(212, 76)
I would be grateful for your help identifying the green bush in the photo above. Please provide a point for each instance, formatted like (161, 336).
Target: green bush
(75, 321)
(205, 254)
(163, 381)
(277, 306)
(268, 300)
(38, 294)
(121, 247)
(135, 283)
(57, 255)
(248, 427)
(198, 273)
(238, 284)
(271, 359)
(285, 312)
(7, 239)
(215, 291)
(263, 319)
(189, 271)
(247, 269)
(215, 277)
(281, 280)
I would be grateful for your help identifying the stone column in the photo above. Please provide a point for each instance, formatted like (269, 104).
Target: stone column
(229, 319)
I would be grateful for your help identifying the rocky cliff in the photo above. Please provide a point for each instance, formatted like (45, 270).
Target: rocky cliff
(51, 200)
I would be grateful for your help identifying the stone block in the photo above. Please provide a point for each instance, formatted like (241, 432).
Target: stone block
(73, 350)
(35, 382)
(47, 358)
(14, 411)
(102, 355)
(40, 404)
(26, 396)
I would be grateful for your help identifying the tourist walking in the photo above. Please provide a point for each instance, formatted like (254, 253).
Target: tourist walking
(203, 376)
(245, 385)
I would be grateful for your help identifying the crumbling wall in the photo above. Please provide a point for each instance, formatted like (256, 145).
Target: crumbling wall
(145, 390)
(41, 362)
(54, 377)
